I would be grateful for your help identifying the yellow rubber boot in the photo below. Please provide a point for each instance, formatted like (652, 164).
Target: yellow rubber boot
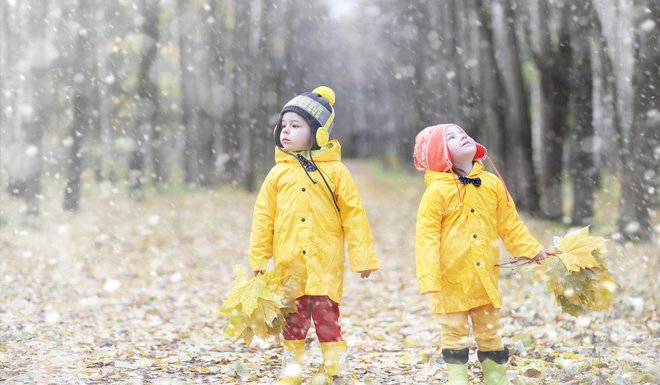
(334, 357)
(292, 359)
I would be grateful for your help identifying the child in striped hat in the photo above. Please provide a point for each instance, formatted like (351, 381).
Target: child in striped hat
(307, 209)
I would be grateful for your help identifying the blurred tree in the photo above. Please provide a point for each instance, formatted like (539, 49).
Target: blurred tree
(10, 76)
(226, 51)
(425, 18)
(493, 105)
(238, 133)
(188, 114)
(207, 108)
(34, 102)
(640, 155)
(147, 108)
(549, 43)
(409, 108)
(611, 134)
(104, 162)
(519, 168)
(223, 70)
(467, 43)
(196, 161)
(359, 87)
(83, 81)
(222, 66)
(583, 170)
(4, 68)
(261, 90)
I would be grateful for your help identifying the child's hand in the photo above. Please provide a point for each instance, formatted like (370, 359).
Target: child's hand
(543, 254)
(257, 272)
(365, 273)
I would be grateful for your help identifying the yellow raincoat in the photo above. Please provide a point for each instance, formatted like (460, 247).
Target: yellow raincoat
(457, 245)
(295, 221)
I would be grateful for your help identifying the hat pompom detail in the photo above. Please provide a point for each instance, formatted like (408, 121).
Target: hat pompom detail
(327, 93)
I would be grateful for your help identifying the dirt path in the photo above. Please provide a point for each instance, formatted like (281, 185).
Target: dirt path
(127, 293)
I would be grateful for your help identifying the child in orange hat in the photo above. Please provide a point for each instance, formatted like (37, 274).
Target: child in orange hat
(463, 212)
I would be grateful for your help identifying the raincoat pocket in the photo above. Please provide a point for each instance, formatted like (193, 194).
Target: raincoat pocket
(452, 270)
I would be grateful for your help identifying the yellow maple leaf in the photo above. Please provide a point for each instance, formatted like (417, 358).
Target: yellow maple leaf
(578, 276)
(234, 298)
(257, 305)
(575, 249)
(236, 326)
(603, 289)
(256, 289)
(270, 311)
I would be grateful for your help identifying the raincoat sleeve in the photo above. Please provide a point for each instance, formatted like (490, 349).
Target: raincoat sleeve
(427, 240)
(263, 224)
(354, 221)
(517, 239)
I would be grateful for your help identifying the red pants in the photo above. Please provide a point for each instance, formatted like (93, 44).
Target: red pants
(322, 310)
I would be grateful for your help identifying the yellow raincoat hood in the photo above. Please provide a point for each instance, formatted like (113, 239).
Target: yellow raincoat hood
(457, 246)
(295, 221)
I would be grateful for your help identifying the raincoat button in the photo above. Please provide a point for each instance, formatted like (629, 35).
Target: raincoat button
(478, 263)
(473, 236)
(304, 252)
(304, 189)
(471, 210)
(304, 221)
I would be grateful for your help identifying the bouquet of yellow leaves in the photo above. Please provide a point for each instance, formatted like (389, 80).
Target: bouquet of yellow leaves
(578, 276)
(257, 306)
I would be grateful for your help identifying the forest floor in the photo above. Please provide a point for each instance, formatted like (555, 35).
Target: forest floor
(128, 293)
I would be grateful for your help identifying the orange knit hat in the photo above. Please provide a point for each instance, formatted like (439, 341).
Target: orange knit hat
(431, 151)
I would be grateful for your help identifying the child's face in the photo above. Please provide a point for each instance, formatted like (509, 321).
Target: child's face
(296, 133)
(461, 147)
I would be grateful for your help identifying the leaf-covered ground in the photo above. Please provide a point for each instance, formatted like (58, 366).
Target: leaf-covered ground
(128, 293)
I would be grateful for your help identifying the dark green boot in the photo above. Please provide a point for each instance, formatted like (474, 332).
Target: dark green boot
(494, 365)
(456, 361)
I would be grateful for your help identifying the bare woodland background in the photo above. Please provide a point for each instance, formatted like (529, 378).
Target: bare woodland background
(135, 133)
(160, 93)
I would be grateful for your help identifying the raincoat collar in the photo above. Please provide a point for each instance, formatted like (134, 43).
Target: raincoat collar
(328, 153)
(477, 168)
(432, 176)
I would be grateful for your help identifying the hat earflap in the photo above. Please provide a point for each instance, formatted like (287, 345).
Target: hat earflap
(322, 136)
